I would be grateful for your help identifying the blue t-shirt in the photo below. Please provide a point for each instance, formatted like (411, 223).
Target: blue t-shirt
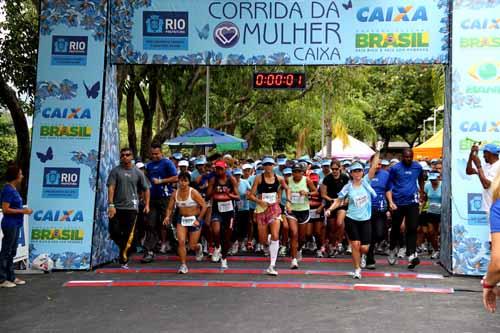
(434, 197)
(495, 216)
(360, 200)
(277, 171)
(163, 168)
(10, 195)
(403, 183)
(380, 184)
(194, 175)
(251, 204)
(243, 187)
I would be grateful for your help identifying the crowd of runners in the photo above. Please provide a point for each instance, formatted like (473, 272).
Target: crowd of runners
(276, 206)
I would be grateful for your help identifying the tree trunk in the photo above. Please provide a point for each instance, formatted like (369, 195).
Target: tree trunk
(8, 97)
(131, 134)
(149, 112)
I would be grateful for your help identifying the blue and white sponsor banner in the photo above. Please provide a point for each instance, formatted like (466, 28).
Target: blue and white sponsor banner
(66, 131)
(475, 119)
(23, 245)
(321, 32)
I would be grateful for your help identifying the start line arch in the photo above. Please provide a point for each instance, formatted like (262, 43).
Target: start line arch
(75, 128)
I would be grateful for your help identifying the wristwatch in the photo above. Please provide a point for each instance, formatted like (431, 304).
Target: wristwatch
(485, 285)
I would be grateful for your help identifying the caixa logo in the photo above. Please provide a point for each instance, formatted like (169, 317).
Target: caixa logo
(69, 45)
(481, 24)
(70, 215)
(392, 14)
(480, 126)
(66, 113)
(61, 183)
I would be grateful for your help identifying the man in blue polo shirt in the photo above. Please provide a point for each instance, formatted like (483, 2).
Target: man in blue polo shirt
(404, 202)
(161, 173)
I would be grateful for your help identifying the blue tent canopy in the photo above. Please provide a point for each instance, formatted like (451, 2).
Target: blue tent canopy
(208, 137)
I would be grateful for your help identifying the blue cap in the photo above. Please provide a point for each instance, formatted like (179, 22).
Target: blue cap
(433, 176)
(201, 161)
(287, 171)
(281, 161)
(326, 163)
(317, 164)
(345, 162)
(177, 156)
(237, 172)
(356, 166)
(385, 162)
(268, 160)
(492, 148)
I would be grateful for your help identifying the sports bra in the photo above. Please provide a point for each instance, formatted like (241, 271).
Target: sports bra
(264, 187)
(189, 202)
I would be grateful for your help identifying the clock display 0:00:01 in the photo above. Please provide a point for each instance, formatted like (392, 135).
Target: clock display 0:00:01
(279, 80)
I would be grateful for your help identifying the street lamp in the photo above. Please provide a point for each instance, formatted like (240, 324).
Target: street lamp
(439, 108)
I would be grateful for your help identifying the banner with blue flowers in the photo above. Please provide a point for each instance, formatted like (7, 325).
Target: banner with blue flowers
(476, 91)
(304, 32)
(66, 131)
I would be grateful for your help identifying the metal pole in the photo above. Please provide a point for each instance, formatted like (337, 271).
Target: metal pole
(434, 129)
(207, 95)
(425, 134)
(323, 121)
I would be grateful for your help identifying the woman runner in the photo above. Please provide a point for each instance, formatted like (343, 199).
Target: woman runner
(189, 218)
(266, 192)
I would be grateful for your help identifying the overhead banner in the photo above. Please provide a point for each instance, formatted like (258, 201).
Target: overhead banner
(476, 92)
(279, 32)
(66, 131)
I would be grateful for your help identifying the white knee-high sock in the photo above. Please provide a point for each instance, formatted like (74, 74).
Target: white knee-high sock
(273, 249)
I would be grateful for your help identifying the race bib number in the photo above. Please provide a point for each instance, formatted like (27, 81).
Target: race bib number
(361, 201)
(225, 206)
(297, 198)
(270, 198)
(188, 221)
(434, 206)
(313, 214)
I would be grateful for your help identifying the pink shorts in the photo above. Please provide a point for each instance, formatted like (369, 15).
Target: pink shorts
(272, 213)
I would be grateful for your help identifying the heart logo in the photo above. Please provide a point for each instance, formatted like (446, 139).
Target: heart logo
(226, 34)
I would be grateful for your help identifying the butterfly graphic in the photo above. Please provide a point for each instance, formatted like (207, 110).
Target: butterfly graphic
(203, 34)
(348, 5)
(93, 92)
(45, 157)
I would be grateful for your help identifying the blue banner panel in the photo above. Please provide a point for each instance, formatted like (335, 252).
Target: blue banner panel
(476, 91)
(66, 130)
(321, 32)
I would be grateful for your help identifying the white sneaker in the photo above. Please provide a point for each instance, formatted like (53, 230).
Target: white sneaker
(413, 261)
(319, 254)
(357, 274)
(216, 254)
(391, 259)
(183, 269)
(282, 251)
(294, 264)
(258, 248)
(402, 253)
(349, 249)
(205, 245)
(340, 248)
(363, 260)
(223, 264)
(299, 255)
(312, 246)
(234, 249)
(7, 284)
(271, 271)
(243, 247)
(435, 255)
(19, 282)
(199, 253)
(125, 266)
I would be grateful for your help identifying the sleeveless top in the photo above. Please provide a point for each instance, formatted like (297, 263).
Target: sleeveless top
(299, 203)
(189, 202)
(219, 188)
(268, 192)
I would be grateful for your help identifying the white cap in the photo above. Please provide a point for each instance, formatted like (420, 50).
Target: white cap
(140, 165)
(246, 166)
(227, 156)
(183, 163)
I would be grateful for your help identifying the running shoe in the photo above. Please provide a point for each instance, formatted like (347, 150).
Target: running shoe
(205, 245)
(370, 264)
(125, 266)
(165, 247)
(19, 282)
(183, 269)
(435, 255)
(357, 274)
(363, 260)
(402, 253)
(319, 254)
(391, 259)
(312, 246)
(294, 264)
(413, 261)
(340, 248)
(271, 271)
(199, 253)
(243, 247)
(282, 251)
(259, 248)
(148, 257)
(266, 250)
(7, 284)
(234, 249)
(349, 249)
(332, 251)
(223, 264)
(216, 254)
(299, 255)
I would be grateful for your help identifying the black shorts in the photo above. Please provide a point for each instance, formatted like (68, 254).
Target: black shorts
(429, 218)
(358, 230)
(302, 217)
(226, 218)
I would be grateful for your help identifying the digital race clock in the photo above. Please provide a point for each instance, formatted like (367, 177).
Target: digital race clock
(279, 80)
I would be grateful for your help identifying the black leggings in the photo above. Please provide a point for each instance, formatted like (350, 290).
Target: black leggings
(410, 214)
(121, 231)
(378, 230)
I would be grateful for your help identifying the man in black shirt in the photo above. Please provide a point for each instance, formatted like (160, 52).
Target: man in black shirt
(330, 187)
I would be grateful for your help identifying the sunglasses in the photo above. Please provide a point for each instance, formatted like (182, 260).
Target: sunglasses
(126, 154)
(335, 169)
